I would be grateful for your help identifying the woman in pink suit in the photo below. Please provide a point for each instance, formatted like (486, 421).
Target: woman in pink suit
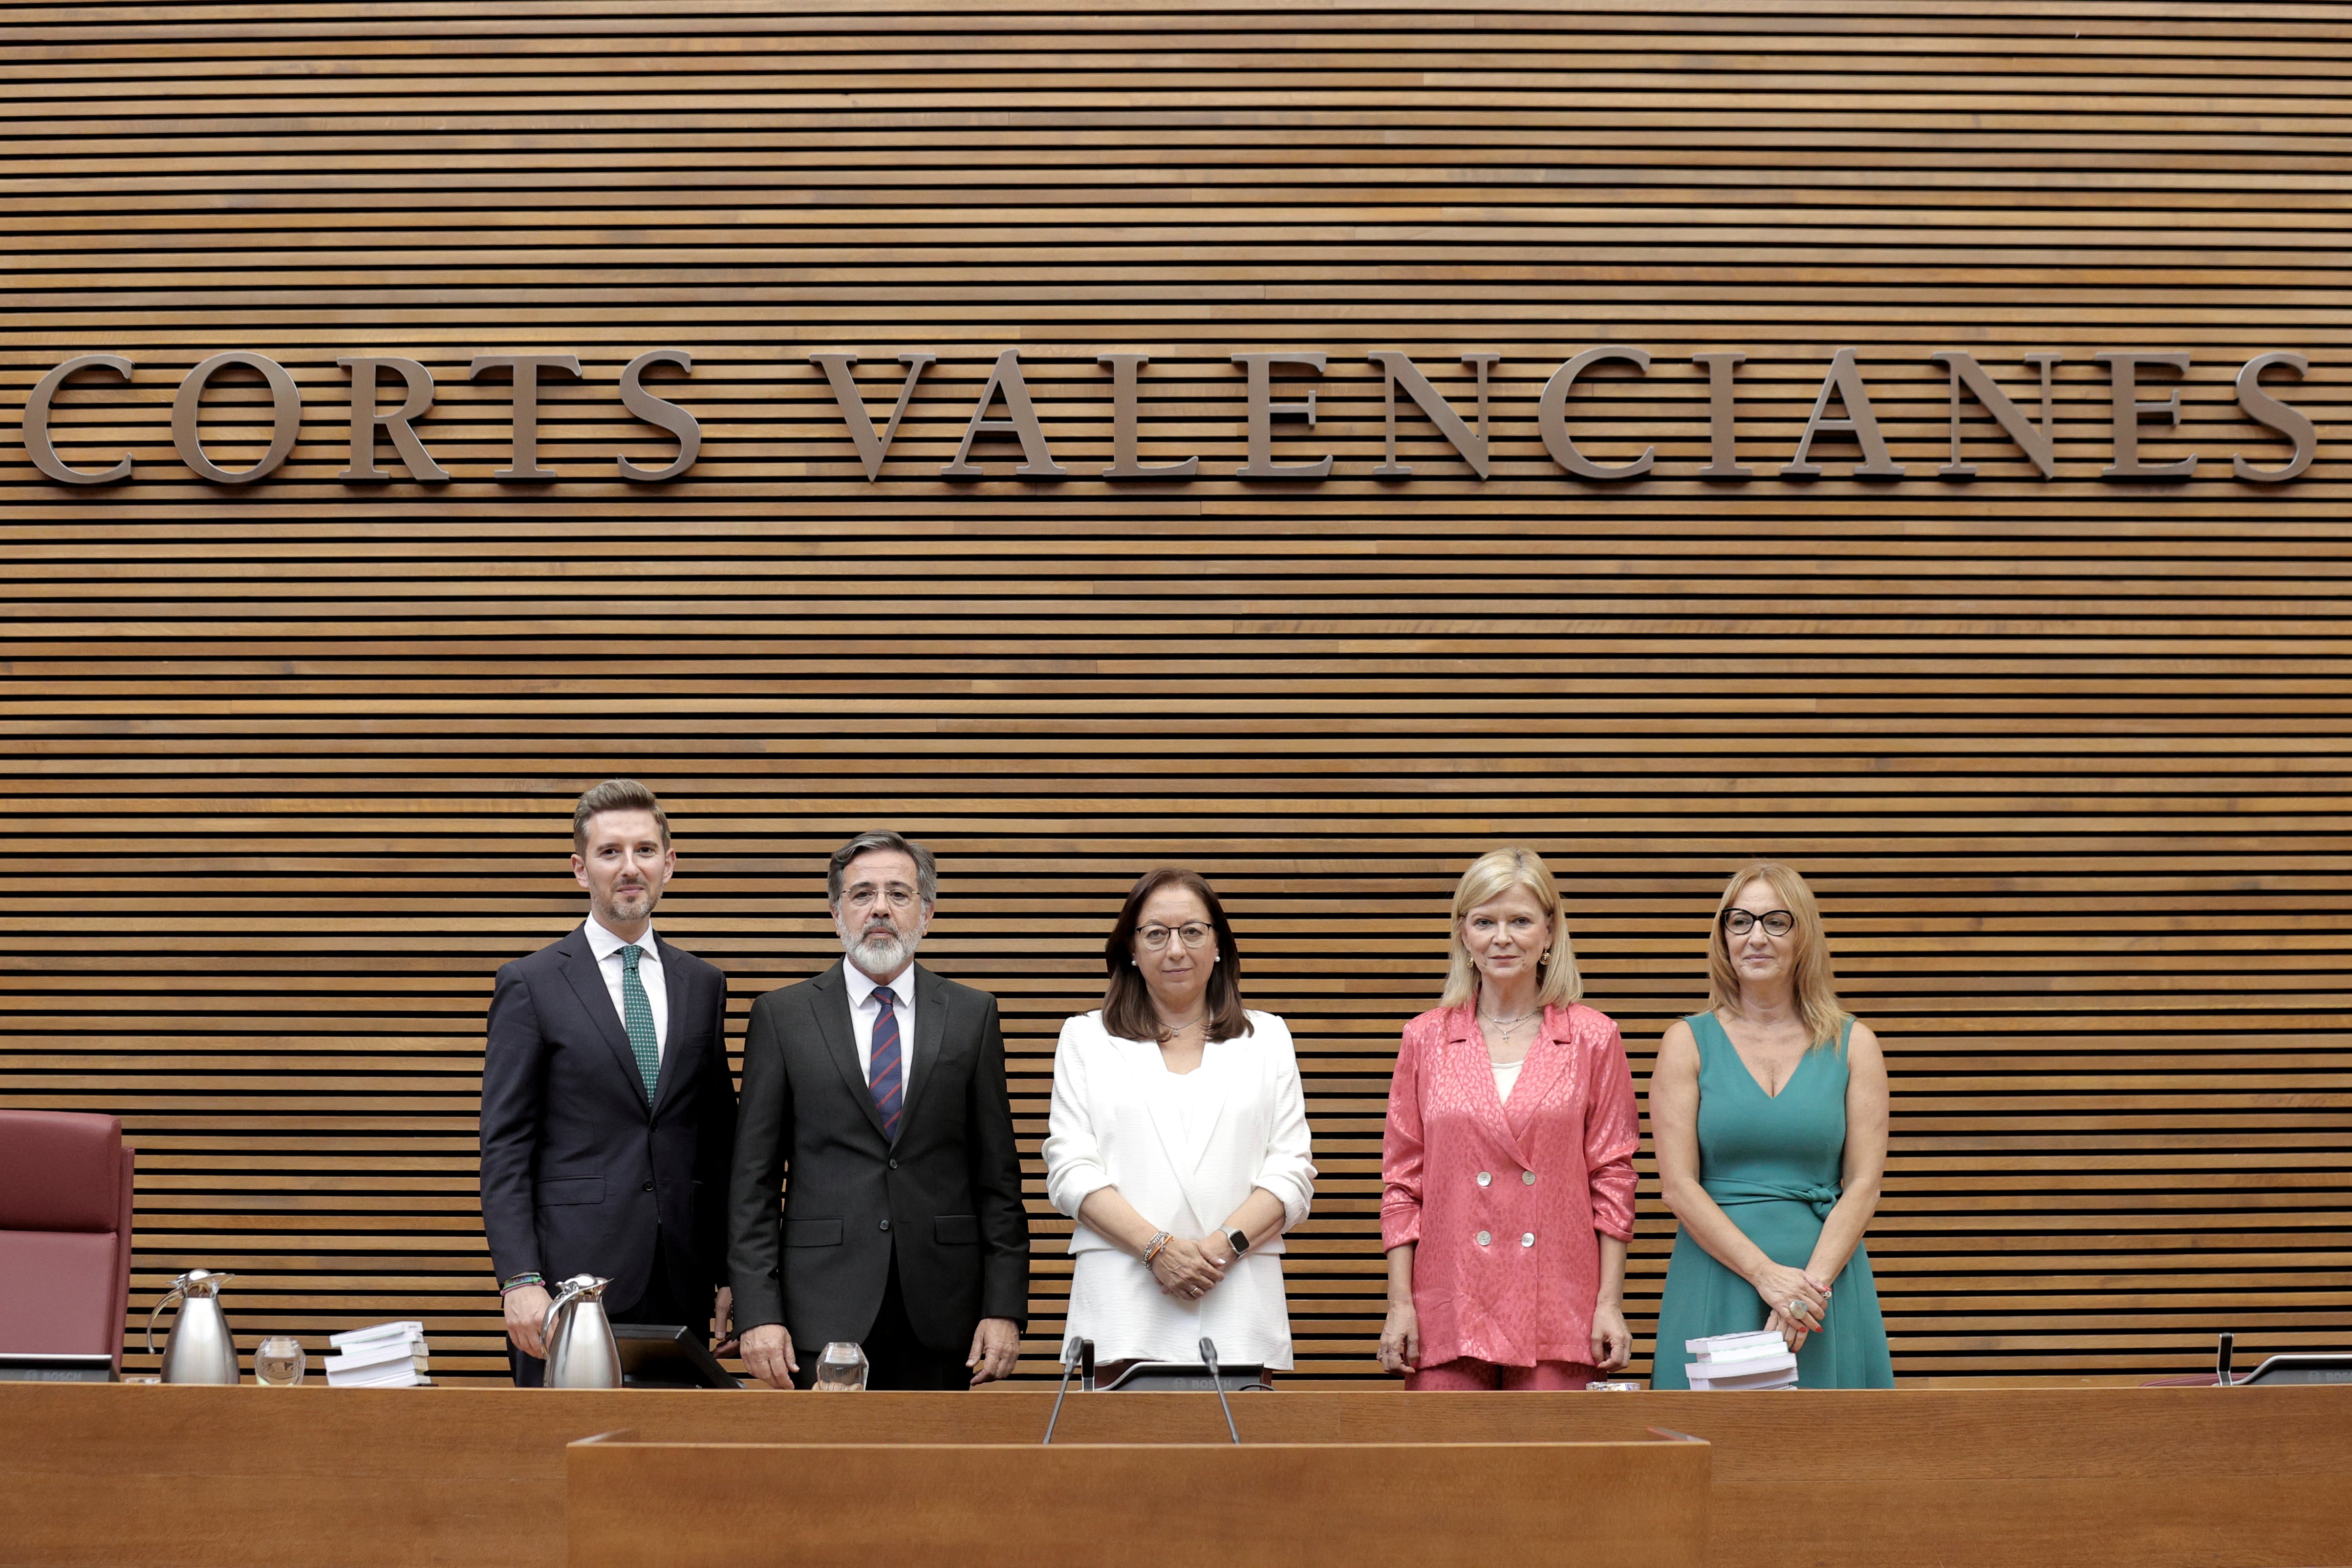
(1508, 1168)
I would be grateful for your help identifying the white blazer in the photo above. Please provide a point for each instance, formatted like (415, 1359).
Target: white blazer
(1109, 1127)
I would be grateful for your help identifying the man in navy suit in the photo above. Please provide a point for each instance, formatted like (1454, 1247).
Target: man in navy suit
(608, 1112)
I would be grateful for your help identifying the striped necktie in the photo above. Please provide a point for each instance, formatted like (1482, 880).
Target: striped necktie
(883, 1078)
(637, 1018)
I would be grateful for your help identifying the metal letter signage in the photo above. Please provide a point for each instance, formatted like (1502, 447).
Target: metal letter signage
(1845, 383)
(1394, 368)
(371, 423)
(2041, 445)
(365, 417)
(2264, 409)
(1551, 417)
(1263, 412)
(1124, 368)
(1722, 436)
(660, 412)
(37, 443)
(871, 448)
(1005, 378)
(2123, 379)
(524, 464)
(285, 417)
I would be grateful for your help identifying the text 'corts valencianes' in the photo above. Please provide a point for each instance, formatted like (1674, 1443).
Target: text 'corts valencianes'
(385, 410)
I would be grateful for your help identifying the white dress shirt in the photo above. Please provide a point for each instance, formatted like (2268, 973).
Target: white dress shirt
(1185, 1149)
(607, 948)
(863, 1010)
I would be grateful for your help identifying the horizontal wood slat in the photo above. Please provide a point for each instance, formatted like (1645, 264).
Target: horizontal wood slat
(2065, 757)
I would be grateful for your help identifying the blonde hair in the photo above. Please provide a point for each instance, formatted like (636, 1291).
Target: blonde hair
(1815, 986)
(1490, 876)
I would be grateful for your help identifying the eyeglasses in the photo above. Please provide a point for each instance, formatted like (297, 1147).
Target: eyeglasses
(1193, 933)
(864, 898)
(1776, 921)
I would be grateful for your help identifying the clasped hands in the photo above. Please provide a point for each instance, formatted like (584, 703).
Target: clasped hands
(1798, 1304)
(1190, 1269)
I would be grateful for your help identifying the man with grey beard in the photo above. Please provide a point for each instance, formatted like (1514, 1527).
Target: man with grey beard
(878, 1089)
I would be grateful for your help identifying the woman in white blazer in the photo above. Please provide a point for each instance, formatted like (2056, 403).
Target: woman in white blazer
(1178, 1142)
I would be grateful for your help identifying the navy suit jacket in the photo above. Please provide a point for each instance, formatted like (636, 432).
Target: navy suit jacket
(577, 1166)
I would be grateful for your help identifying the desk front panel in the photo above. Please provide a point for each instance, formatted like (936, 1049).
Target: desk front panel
(2151, 1478)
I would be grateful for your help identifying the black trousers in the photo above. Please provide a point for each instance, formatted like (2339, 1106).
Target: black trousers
(659, 1304)
(895, 1357)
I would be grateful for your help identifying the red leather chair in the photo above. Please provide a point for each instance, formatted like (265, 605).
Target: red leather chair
(65, 1233)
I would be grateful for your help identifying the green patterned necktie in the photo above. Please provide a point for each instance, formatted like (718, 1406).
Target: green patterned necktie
(637, 1017)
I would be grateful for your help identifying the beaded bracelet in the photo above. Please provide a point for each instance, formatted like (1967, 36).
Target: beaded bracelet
(1156, 1245)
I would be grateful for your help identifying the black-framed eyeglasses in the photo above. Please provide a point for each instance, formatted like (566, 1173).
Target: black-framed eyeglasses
(1193, 933)
(1740, 921)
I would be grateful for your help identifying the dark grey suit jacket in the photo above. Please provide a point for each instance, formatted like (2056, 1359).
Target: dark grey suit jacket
(577, 1167)
(945, 1198)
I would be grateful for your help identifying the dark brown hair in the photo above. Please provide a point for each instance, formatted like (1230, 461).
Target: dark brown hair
(615, 795)
(1126, 1009)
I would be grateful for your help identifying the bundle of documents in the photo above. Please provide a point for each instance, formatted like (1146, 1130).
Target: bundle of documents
(389, 1355)
(1759, 1360)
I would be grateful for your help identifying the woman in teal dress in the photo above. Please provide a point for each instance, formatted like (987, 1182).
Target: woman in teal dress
(1769, 1112)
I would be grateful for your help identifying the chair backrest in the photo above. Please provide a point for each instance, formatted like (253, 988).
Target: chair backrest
(65, 1233)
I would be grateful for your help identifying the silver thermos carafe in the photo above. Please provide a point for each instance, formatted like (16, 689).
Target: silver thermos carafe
(199, 1348)
(580, 1349)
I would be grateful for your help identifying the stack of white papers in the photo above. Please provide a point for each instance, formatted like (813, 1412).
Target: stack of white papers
(1759, 1360)
(388, 1355)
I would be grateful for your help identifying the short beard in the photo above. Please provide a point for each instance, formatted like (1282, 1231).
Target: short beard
(608, 913)
(881, 952)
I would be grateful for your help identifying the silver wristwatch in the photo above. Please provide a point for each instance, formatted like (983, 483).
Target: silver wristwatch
(1240, 1238)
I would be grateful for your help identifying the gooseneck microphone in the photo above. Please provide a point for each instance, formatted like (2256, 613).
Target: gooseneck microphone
(1076, 1353)
(1209, 1355)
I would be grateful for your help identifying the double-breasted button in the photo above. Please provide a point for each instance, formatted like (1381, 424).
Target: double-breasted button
(1528, 1239)
(1528, 1177)
(1484, 1236)
(649, 1186)
(885, 1225)
(1486, 1178)
(893, 1166)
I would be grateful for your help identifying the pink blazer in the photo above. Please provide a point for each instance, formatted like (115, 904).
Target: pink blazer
(1504, 1202)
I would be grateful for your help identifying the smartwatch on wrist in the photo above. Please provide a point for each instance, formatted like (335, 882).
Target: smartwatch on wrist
(1240, 1239)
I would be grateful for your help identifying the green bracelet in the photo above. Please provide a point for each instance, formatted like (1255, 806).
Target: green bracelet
(519, 1280)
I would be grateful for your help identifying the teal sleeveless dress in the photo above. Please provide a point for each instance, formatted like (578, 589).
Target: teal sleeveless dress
(1774, 1163)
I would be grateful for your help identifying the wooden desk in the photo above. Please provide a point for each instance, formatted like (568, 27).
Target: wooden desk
(2156, 1478)
(1282, 1505)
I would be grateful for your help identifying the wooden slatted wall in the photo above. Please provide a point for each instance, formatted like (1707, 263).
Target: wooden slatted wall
(2065, 757)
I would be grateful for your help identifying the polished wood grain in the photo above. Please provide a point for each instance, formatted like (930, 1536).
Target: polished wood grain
(634, 1504)
(2065, 758)
(2162, 1477)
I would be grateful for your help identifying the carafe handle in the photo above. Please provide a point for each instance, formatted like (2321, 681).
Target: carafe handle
(572, 1292)
(168, 1297)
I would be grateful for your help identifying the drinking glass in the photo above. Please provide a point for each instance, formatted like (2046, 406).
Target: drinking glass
(279, 1362)
(842, 1368)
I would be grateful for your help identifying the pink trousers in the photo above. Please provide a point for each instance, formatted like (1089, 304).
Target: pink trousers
(1467, 1375)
